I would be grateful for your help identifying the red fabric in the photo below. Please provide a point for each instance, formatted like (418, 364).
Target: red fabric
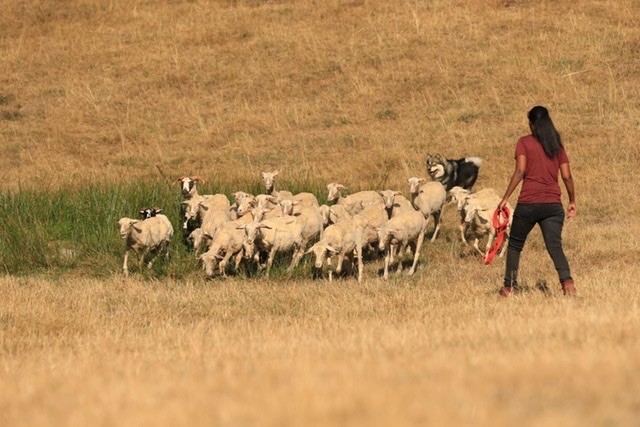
(540, 184)
(499, 221)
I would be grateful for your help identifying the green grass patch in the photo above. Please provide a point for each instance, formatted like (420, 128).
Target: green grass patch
(75, 230)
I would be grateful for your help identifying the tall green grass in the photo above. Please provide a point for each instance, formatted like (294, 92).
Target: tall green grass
(75, 230)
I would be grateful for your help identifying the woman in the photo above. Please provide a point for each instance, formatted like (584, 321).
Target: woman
(539, 156)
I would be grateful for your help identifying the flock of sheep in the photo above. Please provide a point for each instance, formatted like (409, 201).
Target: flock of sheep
(255, 228)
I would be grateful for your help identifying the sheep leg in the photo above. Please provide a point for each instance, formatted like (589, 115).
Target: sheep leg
(330, 268)
(417, 252)
(341, 256)
(401, 252)
(475, 245)
(360, 266)
(463, 231)
(436, 219)
(223, 264)
(392, 251)
(239, 257)
(387, 259)
(125, 267)
(272, 255)
(297, 255)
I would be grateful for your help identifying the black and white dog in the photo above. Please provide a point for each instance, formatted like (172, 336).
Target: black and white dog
(450, 173)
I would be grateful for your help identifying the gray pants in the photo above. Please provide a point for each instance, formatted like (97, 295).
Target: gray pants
(550, 217)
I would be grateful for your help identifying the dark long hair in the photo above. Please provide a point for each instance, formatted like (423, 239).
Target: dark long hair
(544, 131)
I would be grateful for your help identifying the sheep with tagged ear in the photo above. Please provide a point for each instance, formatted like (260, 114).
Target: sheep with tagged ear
(428, 198)
(273, 235)
(337, 240)
(403, 230)
(355, 202)
(150, 235)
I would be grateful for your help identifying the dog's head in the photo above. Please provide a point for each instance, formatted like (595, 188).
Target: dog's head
(436, 167)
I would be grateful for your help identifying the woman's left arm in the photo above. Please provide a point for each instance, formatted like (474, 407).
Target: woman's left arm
(518, 175)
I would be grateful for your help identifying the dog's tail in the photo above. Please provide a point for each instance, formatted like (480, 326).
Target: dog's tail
(475, 160)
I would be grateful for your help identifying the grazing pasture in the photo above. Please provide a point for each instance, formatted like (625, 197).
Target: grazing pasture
(104, 103)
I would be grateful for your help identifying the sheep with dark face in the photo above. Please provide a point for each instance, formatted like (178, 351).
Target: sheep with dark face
(188, 185)
(146, 213)
(149, 235)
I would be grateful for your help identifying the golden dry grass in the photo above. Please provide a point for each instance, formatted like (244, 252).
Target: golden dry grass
(354, 91)
(79, 352)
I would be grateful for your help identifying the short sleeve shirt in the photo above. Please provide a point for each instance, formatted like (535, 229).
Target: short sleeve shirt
(540, 184)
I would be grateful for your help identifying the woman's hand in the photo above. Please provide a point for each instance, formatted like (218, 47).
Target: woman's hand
(502, 204)
(571, 210)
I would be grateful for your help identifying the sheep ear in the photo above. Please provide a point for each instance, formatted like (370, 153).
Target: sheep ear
(295, 202)
(185, 202)
(397, 193)
(276, 172)
(207, 235)
(206, 208)
(341, 187)
(180, 178)
(141, 211)
(261, 225)
(310, 250)
(241, 227)
(158, 211)
(421, 180)
(137, 229)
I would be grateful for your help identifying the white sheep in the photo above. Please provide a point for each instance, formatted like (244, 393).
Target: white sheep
(354, 202)
(476, 212)
(339, 240)
(274, 235)
(197, 207)
(269, 180)
(369, 220)
(428, 198)
(403, 230)
(395, 203)
(309, 217)
(227, 242)
(338, 213)
(151, 235)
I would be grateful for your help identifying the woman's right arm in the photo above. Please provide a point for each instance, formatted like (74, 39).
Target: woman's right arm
(565, 171)
(518, 175)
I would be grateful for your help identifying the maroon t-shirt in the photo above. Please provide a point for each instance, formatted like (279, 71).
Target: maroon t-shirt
(540, 184)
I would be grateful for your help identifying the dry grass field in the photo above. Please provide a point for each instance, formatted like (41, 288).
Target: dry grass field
(356, 91)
